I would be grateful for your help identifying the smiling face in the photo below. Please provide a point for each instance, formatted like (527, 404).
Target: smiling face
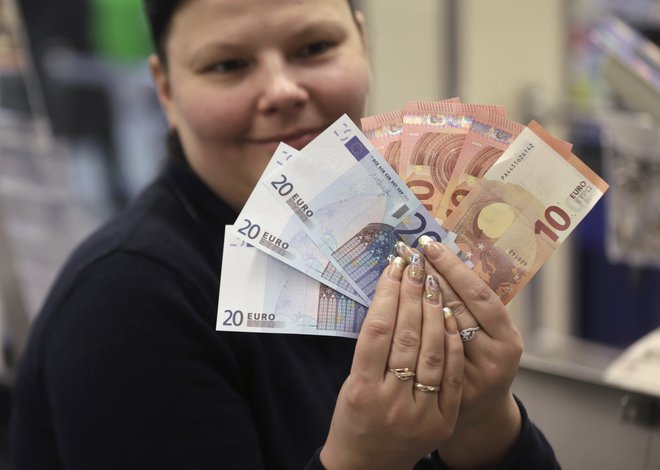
(243, 75)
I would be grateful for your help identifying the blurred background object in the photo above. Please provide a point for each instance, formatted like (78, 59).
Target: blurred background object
(80, 133)
(631, 154)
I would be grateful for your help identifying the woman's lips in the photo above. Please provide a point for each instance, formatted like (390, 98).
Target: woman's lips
(296, 139)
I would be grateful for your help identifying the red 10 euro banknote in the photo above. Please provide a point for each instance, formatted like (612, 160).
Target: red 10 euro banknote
(510, 193)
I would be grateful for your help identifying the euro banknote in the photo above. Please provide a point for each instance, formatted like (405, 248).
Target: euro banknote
(260, 294)
(433, 135)
(522, 209)
(489, 135)
(351, 203)
(384, 132)
(265, 224)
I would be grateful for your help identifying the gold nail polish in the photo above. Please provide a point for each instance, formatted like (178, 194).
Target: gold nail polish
(431, 288)
(390, 258)
(448, 312)
(396, 268)
(404, 251)
(423, 241)
(416, 270)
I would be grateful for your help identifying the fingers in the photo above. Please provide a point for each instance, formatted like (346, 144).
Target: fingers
(449, 400)
(463, 317)
(440, 362)
(405, 328)
(431, 359)
(480, 300)
(373, 345)
(407, 331)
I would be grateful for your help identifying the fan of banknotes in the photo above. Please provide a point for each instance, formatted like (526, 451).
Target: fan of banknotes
(308, 247)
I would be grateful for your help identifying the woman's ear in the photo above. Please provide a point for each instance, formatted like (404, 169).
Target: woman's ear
(359, 20)
(163, 90)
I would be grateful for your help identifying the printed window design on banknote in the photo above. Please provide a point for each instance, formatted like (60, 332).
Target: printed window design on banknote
(336, 312)
(365, 254)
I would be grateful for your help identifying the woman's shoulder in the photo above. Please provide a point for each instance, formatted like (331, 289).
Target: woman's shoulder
(132, 307)
(150, 249)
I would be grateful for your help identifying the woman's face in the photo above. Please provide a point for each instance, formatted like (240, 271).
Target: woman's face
(243, 75)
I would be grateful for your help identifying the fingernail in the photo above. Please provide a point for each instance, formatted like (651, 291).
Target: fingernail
(432, 288)
(390, 258)
(435, 250)
(423, 241)
(451, 327)
(404, 251)
(448, 312)
(396, 268)
(416, 270)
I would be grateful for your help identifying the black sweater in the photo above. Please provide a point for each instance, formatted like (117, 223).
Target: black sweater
(124, 368)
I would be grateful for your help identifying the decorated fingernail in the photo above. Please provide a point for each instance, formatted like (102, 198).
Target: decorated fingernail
(404, 251)
(434, 250)
(396, 268)
(416, 270)
(423, 241)
(431, 288)
(448, 312)
(390, 258)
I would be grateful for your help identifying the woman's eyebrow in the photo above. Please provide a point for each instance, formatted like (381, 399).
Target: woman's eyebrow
(319, 26)
(201, 52)
(197, 55)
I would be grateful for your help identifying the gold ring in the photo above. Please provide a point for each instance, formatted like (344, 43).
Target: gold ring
(403, 373)
(426, 388)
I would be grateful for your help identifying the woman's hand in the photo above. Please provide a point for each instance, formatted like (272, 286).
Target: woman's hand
(386, 416)
(489, 420)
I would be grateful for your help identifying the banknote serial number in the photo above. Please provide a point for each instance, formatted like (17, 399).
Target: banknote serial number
(520, 157)
(385, 173)
(517, 258)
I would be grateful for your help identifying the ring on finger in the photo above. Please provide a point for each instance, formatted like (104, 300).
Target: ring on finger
(403, 373)
(426, 388)
(468, 334)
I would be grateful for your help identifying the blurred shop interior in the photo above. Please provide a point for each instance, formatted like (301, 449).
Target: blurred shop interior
(81, 133)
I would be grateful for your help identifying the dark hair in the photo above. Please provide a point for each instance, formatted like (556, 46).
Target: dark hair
(159, 16)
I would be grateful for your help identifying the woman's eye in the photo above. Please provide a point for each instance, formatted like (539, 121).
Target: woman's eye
(315, 48)
(229, 66)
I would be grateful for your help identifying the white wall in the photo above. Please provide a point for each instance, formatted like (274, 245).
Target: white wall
(508, 46)
(407, 52)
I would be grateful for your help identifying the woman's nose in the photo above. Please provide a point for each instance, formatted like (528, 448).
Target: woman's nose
(282, 89)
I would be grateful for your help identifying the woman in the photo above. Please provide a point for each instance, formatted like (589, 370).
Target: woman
(124, 368)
